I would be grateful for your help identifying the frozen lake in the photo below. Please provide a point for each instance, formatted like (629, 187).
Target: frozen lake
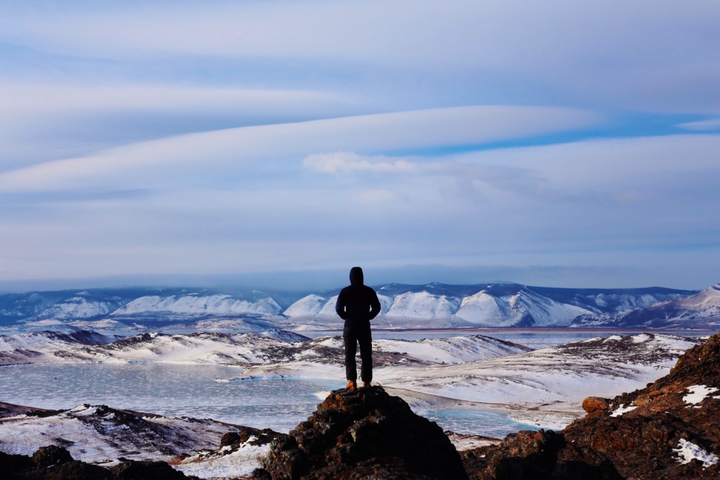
(194, 391)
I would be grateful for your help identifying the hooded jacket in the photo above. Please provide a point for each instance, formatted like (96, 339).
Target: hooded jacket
(357, 302)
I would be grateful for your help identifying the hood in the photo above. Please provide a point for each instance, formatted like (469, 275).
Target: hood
(356, 276)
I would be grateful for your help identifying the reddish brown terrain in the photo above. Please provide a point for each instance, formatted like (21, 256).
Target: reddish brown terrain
(635, 435)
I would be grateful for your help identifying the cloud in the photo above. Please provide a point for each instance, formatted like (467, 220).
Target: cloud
(134, 166)
(347, 162)
(41, 122)
(702, 125)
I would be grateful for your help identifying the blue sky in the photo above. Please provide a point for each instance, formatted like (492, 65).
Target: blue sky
(280, 143)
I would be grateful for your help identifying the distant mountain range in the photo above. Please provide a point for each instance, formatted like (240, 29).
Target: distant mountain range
(434, 305)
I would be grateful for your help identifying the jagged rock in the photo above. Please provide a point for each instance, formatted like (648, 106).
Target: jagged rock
(595, 405)
(639, 435)
(50, 462)
(55, 463)
(248, 435)
(364, 433)
(50, 456)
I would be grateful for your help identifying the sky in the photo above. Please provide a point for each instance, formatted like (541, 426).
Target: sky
(279, 143)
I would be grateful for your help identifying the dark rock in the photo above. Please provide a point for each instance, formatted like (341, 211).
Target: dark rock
(50, 456)
(363, 433)
(640, 443)
(11, 410)
(9, 464)
(146, 470)
(55, 463)
(248, 435)
(49, 462)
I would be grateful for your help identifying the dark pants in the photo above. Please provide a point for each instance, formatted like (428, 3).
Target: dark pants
(354, 333)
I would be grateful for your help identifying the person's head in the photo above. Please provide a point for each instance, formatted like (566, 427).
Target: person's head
(356, 276)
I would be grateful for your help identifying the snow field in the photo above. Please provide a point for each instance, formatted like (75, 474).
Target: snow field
(239, 463)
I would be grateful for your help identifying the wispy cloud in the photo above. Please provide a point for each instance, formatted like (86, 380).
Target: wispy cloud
(346, 162)
(660, 56)
(182, 155)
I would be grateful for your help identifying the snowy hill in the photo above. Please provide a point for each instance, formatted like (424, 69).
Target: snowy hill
(701, 310)
(272, 347)
(34, 343)
(100, 434)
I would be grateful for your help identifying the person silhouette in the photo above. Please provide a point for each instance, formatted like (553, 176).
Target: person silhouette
(357, 304)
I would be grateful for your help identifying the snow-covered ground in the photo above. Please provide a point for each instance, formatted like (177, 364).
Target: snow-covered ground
(474, 368)
(543, 387)
(99, 434)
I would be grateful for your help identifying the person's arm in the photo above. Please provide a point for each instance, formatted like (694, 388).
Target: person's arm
(375, 306)
(340, 305)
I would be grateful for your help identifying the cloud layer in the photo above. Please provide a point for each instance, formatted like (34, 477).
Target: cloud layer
(547, 141)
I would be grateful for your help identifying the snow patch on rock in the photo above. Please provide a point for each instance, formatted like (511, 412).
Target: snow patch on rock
(698, 393)
(688, 451)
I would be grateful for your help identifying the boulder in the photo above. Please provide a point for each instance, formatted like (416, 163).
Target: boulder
(363, 433)
(595, 405)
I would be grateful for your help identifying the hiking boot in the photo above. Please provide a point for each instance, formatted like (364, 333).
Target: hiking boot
(352, 385)
(366, 384)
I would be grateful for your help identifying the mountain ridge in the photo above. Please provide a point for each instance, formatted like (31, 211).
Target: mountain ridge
(432, 305)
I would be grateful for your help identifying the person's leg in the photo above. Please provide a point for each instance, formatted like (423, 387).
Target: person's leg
(350, 338)
(365, 340)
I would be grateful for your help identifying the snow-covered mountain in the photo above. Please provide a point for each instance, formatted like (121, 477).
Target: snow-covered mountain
(486, 305)
(197, 305)
(701, 310)
(145, 307)
(433, 305)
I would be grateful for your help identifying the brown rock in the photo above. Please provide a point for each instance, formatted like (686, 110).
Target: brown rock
(593, 405)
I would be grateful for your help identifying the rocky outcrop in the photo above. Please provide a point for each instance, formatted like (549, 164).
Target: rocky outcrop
(668, 430)
(55, 463)
(364, 433)
(248, 436)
